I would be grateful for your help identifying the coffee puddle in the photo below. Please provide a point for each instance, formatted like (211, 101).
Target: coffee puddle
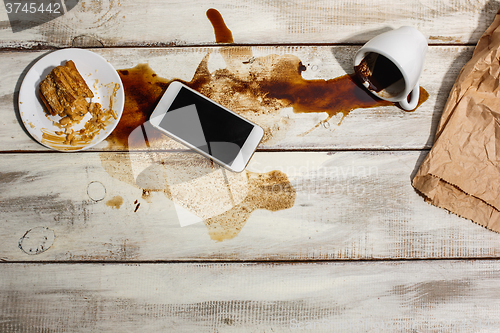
(143, 88)
(258, 88)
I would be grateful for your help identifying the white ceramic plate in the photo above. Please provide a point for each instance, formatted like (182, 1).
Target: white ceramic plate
(99, 75)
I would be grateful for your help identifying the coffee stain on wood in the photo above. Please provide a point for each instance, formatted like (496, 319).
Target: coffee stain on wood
(223, 200)
(258, 88)
(221, 31)
(116, 202)
(270, 191)
(143, 88)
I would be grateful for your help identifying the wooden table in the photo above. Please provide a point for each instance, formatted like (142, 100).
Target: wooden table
(325, 232)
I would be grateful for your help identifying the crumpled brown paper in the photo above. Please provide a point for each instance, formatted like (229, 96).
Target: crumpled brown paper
(461, 173)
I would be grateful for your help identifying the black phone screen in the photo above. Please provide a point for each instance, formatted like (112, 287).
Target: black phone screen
(206, 126)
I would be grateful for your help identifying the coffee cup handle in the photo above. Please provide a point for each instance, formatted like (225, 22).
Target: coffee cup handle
(414, 97)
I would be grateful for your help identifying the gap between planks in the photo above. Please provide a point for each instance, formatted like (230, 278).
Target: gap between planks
(245, 261)
(42, 47)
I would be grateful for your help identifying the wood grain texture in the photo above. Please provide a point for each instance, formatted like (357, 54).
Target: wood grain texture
(116, 207)
(323, 232)
(112, 23)
(422, 296)
(361, 129)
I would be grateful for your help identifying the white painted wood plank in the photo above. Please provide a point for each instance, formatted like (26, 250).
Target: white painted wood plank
(317, 206)
(422, 296)
(361, 129)
(160, 23)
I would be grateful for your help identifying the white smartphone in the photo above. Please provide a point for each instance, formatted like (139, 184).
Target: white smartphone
(206, 127)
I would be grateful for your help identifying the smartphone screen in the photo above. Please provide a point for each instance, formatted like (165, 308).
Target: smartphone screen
(206, 126)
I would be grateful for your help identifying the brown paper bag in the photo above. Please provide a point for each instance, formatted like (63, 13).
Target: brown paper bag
(461, 173)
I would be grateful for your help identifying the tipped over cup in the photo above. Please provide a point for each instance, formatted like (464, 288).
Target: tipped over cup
(390, 65)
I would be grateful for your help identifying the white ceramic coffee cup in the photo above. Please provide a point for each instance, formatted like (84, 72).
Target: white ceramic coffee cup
(404, 47)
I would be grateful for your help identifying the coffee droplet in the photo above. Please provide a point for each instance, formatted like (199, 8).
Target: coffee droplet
(115, 202)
